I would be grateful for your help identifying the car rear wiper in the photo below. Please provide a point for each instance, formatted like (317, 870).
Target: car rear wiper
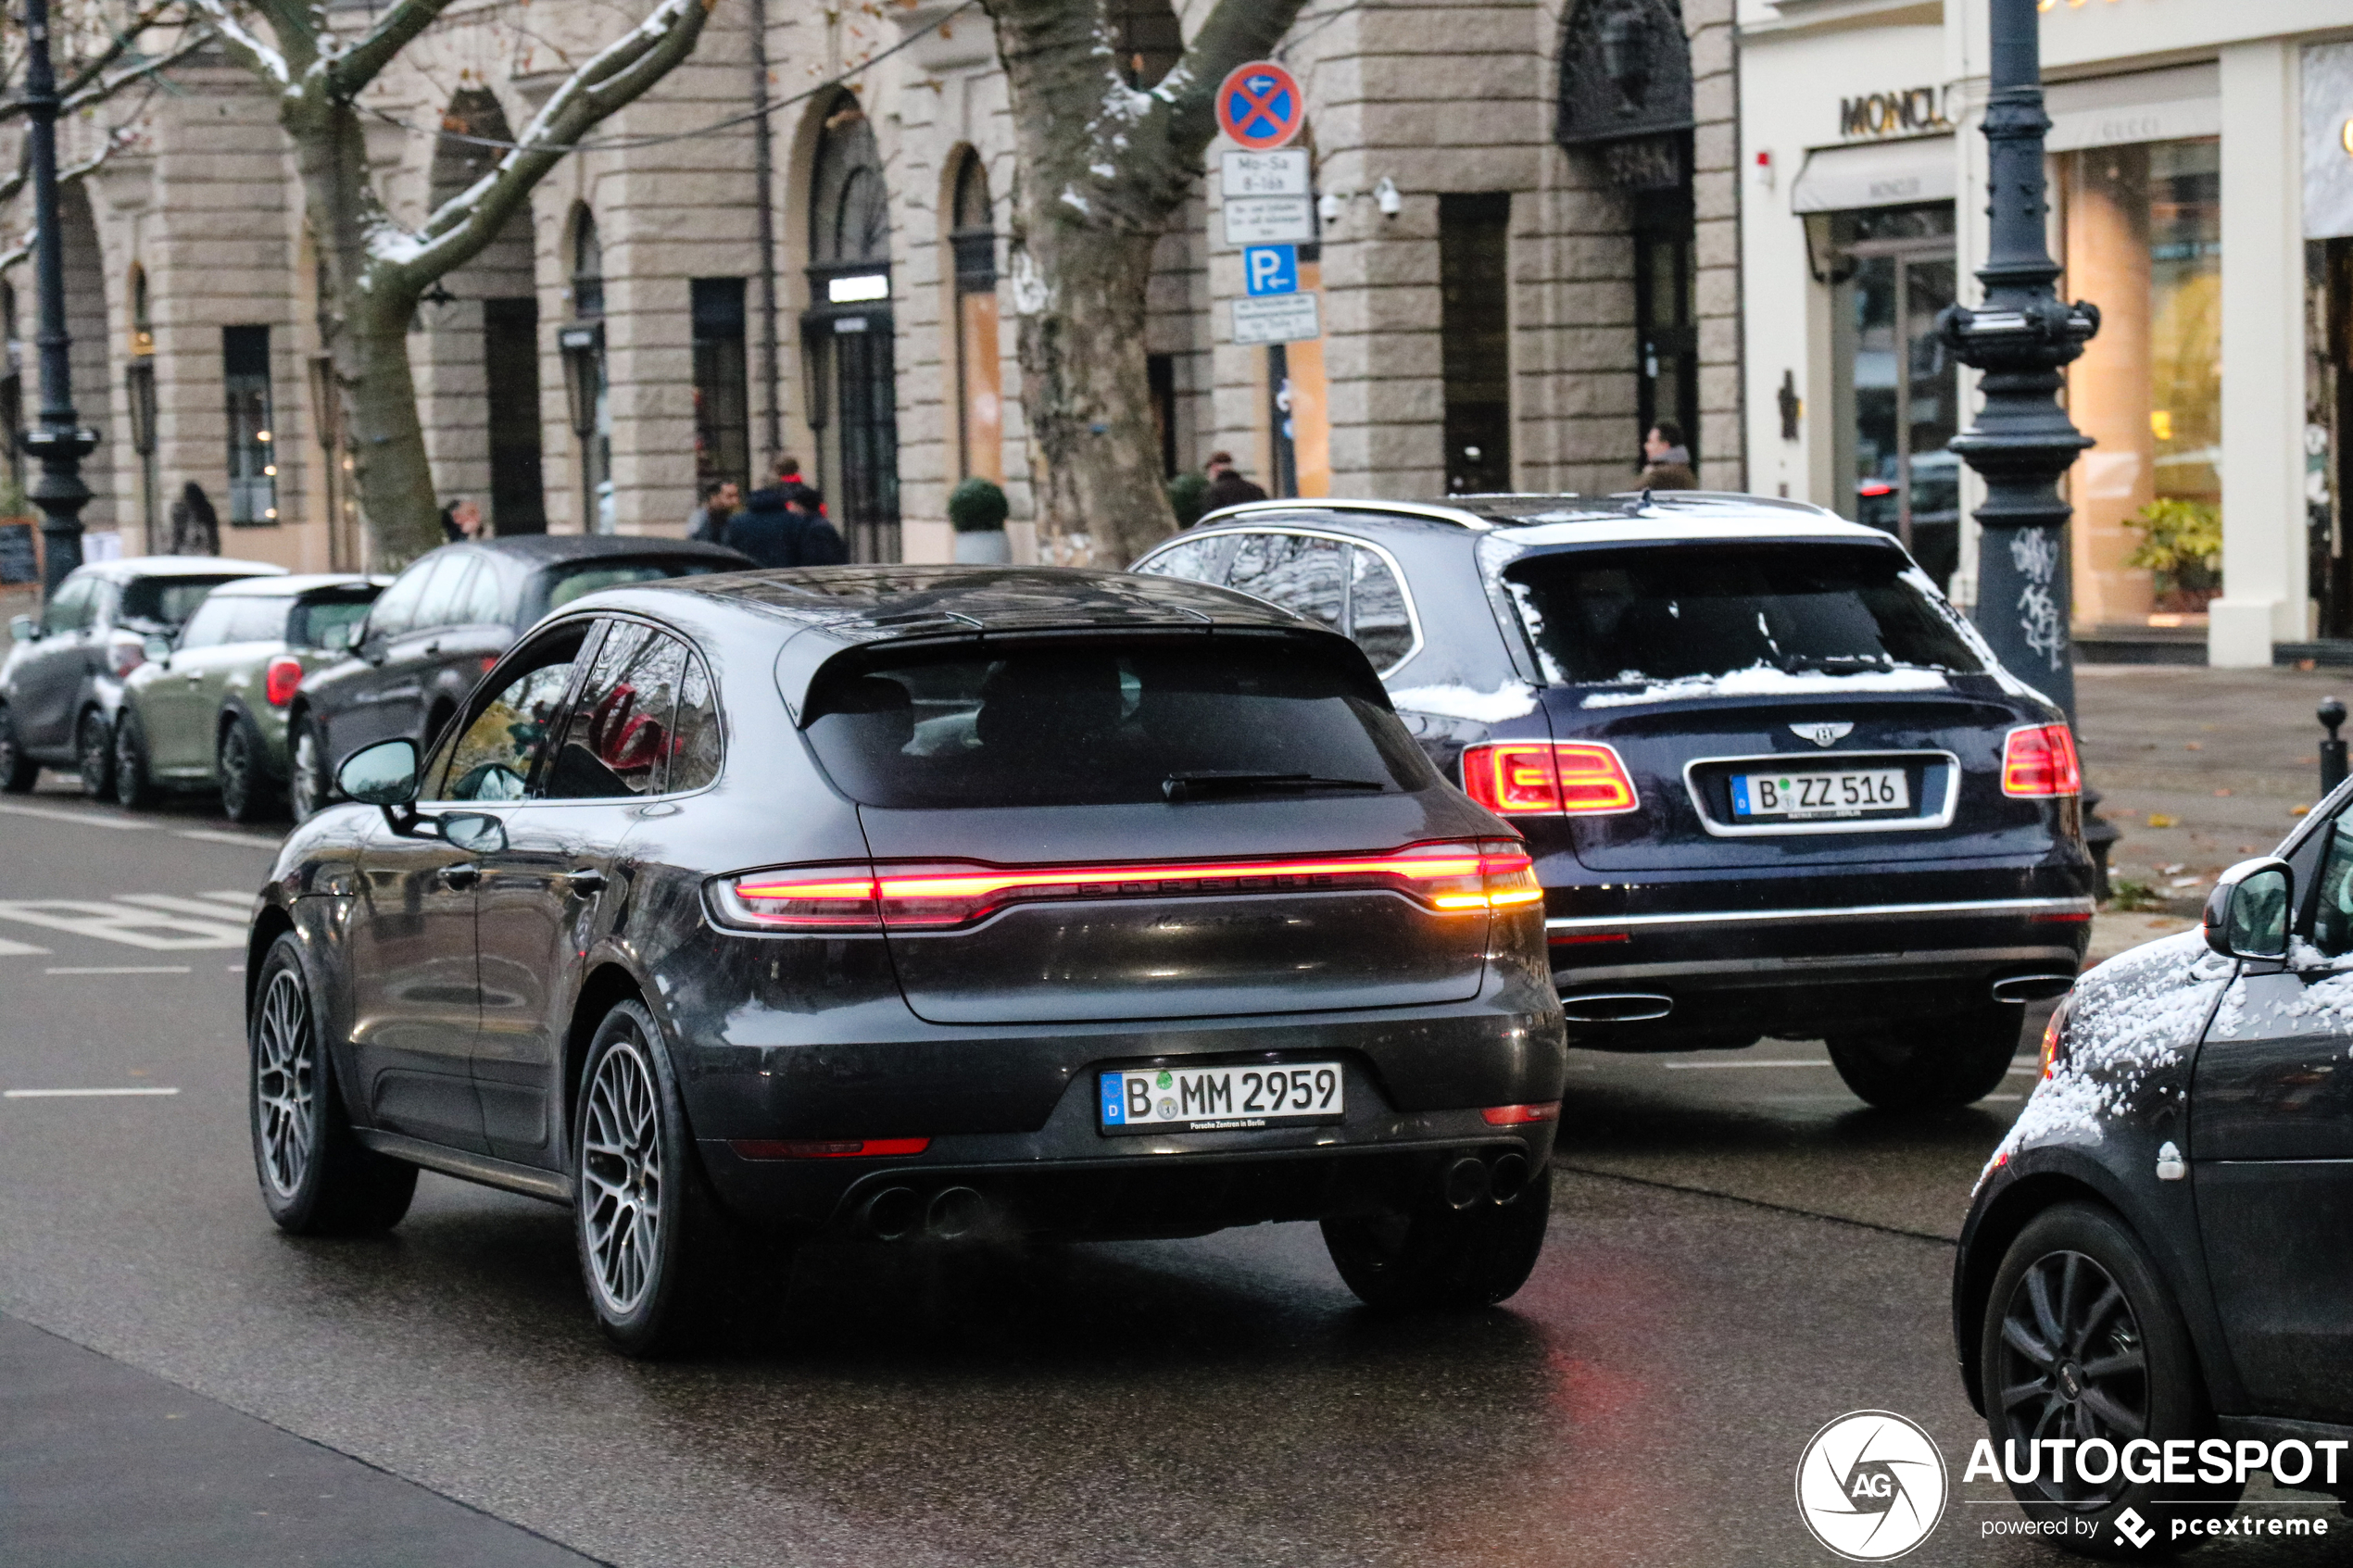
(1191, 785)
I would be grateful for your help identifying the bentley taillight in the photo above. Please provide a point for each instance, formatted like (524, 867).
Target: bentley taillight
(1548, 778)
(2040, 760)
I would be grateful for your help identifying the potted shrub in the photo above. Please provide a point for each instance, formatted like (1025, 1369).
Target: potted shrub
(976, 509)
(2182, 543)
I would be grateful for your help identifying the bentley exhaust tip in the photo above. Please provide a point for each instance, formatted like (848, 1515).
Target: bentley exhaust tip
(2031, 988)
(955, 1214)
(893, 1214)
(1464, 1185)
(1615, 1006)
(1506, 1177)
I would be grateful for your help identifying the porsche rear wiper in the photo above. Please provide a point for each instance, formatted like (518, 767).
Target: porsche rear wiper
(1191, 786)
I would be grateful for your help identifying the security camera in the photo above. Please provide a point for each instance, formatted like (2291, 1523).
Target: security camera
(1385, 196)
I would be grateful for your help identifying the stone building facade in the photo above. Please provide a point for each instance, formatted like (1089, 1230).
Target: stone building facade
(1529, 248)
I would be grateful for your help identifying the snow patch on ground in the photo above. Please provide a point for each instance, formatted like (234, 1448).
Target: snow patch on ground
(1510, 700)
(1765, 681)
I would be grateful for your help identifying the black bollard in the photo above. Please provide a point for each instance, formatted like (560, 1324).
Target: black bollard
(2332, 714)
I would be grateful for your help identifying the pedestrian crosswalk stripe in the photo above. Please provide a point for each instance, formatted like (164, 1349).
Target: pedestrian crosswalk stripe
(20, 949)
(120, 969)
(214, 835)
(88, 819)
(129, 924)
(80, 1094)
(201, 909)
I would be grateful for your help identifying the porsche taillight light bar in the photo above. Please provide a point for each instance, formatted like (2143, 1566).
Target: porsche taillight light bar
(2040, 760)
(1515, 778)
(1451, 878)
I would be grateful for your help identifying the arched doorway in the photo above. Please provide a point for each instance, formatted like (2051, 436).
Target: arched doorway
(1626, 104)
(846, 335)
(483, 323)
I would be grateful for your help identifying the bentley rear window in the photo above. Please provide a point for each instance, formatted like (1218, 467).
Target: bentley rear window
(1098, 723)
(1678, 612)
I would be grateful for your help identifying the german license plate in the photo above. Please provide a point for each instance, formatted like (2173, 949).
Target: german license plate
(1220, 1099)
(1801, 797)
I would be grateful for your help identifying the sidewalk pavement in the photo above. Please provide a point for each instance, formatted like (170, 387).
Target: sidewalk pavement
(2198, 769)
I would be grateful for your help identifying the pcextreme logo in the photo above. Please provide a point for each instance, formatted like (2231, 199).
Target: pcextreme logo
(1870, 1486)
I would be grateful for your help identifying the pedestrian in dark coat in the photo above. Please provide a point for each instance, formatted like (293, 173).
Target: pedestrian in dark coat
(1669, 460)
(195, 527)
(775, 530)
(1227, 486)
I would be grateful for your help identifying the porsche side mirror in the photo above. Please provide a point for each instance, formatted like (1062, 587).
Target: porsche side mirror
(381, 774)
(2246, 914)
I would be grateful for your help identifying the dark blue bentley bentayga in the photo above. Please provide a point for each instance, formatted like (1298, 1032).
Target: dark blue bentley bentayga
(1773, 783)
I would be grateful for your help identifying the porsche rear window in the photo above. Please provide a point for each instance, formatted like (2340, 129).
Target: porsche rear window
(1674, 612)
(1064, 724)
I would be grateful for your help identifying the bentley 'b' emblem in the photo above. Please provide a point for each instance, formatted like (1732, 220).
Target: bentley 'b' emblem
(1823, 735)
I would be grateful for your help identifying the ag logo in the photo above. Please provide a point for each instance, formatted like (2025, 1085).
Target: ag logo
(1822, 733)
(1870, 1486)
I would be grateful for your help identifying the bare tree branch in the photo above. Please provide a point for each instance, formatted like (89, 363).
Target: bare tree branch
(243, 43)
(355, 67)
(608, 84)
(194, 40)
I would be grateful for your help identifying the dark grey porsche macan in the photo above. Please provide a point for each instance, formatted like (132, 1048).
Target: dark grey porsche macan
(915, 902)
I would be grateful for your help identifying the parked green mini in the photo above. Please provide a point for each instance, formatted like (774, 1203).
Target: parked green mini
(209, 711)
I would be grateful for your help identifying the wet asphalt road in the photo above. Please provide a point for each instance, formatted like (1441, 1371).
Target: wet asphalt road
(1740, 1252)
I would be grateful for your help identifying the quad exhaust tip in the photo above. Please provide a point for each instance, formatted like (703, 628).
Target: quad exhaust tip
(955, 1214)
(893, 1214)
(2032, 987)
(1506, 1177)
(1465, 1184)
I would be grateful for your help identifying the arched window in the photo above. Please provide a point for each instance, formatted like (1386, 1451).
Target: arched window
(585, 380)
(587, 267)
(980, 425)
(853, 405)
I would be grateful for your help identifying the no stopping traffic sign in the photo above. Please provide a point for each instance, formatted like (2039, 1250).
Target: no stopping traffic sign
(1260, 106)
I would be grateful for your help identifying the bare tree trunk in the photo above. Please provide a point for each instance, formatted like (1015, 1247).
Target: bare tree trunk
(1102, 169)
(378, 270)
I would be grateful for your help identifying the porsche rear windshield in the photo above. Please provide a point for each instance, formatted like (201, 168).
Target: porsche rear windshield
(1060, 724)
(1674, 612)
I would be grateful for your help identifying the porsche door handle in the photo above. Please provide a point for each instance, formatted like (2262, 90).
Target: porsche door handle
(460, 877)
(585, 883)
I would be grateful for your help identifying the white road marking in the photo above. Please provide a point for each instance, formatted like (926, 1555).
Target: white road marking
(130, 927)
(19, 950)
(80, 1094)
(124, 969)
(2006, 1097)
(1692, 1066)
(241, 902)
(214, 835)
(88, 819)
(199, 908)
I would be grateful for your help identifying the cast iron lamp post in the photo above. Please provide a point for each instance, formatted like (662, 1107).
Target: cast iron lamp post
(60, 441)
(2022, 440)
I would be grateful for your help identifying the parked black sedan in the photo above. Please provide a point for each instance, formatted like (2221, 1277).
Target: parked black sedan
(445, 620)
(2155, 1268)
(1773, 783)
(900, 902)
